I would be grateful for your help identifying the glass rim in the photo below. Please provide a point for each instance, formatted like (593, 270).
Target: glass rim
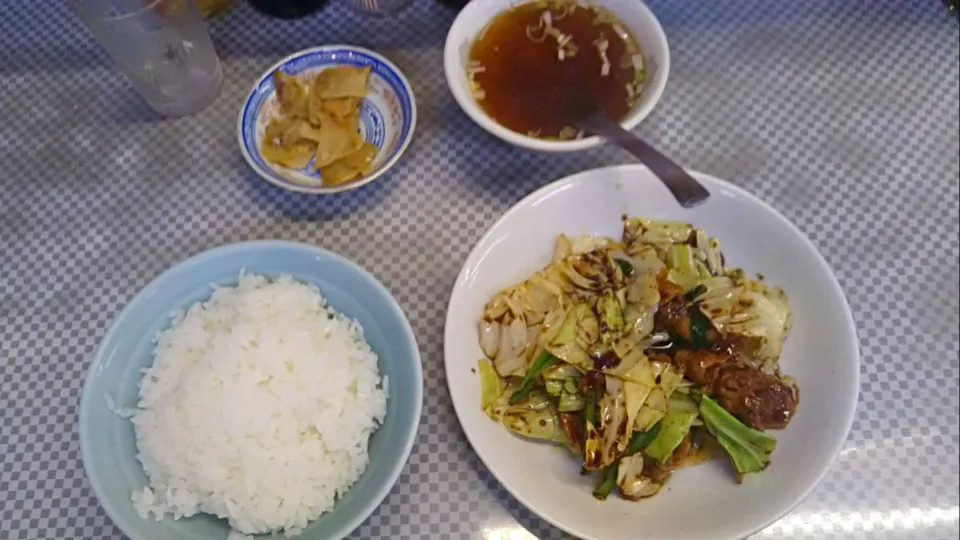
(77, 6)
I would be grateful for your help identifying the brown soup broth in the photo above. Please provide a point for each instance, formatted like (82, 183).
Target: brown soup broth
(520, 81)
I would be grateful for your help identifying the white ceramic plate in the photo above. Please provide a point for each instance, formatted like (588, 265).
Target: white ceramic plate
(701, 502)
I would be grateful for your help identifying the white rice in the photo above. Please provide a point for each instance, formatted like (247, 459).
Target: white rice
(258, 408)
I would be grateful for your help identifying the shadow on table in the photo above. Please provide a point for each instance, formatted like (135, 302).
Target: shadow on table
(307, 207)
(493, 168)
(123, 105)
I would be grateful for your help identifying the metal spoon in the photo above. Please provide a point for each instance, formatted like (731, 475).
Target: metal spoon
(685, 188)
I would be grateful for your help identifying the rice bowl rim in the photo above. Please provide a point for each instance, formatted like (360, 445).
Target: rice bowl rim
(205, 257)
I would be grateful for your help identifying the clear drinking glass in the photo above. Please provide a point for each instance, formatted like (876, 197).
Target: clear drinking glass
(162, 46)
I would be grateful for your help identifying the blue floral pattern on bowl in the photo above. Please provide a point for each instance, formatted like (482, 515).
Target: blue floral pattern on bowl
(387, 115)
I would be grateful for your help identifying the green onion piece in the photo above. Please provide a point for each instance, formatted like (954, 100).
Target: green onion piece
(542, 362)
(699, 324)
(589, 417)
(590, 408)
(608, 482)
(693, 293)
(641, 439)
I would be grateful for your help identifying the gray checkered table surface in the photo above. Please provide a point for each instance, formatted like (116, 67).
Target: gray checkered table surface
(843, 115)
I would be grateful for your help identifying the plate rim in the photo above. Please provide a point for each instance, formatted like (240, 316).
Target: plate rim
(710, 181)
(279, 181)
(203, 257)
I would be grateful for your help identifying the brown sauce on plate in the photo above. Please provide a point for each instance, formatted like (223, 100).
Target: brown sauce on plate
(706, 448)
(537, 74)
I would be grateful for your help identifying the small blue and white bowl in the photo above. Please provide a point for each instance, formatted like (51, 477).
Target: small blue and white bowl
(388, 115)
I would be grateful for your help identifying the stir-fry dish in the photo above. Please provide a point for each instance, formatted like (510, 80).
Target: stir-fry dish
(640, 356)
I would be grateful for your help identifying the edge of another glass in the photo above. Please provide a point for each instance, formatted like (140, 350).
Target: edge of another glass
(82, 8)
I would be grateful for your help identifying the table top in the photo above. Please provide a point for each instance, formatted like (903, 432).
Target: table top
(842, 115)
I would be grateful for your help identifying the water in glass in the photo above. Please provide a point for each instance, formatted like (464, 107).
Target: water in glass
(163, 48)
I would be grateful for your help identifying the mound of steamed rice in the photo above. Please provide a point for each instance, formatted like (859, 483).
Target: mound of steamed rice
(258, 408)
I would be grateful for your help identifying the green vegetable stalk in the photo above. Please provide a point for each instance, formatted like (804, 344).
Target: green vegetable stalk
(749, 449)
(641, 439)
(673, 428)
(693, 293)
(699, 325)
(608, 481)
(591, 437)
(590, 411)
(542, 362)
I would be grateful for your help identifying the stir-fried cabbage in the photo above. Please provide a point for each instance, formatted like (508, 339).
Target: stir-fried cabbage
(585, 353)
(656, 232)
(750, 310)
(490, 385)
(631, 480)
(674, 427)
(536, 417)
(748, 448)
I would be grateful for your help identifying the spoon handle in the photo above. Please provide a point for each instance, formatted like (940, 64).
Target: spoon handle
(685, 188)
